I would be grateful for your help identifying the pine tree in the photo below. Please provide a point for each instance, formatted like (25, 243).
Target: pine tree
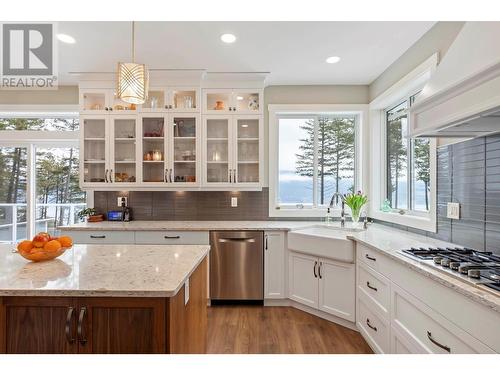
(396, 157)
(335, 149)
(422, 165)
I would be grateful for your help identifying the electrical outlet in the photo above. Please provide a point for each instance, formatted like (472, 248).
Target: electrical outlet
(234, 201)
(453, 210)
(119, 201)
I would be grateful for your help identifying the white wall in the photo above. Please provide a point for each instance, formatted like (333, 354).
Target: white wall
(63, 95)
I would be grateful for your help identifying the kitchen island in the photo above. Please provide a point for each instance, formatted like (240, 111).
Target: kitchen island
(105, 299)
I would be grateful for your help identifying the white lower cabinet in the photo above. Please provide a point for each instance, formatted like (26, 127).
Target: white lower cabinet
(427, 330)
(393, 318)
(323, 284)
(274, 265)
(303, 279)
(337, 288)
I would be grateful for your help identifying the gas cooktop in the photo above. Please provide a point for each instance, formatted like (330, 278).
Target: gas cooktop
(481, 268)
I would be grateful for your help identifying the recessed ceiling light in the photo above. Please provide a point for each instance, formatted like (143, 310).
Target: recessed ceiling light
(333, 59)
(239, 98)
(66, 38)
(228, 38)
(244, 125)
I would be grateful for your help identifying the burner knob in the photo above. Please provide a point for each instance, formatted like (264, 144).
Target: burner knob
(454, 265)
(445, 262)
(474, 273)
(437, 260)
(464, 268)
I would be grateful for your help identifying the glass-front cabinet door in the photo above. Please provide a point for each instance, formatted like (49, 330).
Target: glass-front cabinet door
(94, 150)
(218, 101)
(184, 99)
(184, 149)
(157, 100)
(247, 153)
(218, 149)
(247, 101)
(123, 169)
(100, 101)
(153, 149)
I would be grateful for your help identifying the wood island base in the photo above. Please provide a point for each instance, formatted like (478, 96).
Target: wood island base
(107, 325)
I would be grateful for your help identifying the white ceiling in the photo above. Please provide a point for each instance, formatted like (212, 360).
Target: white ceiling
(293, 52)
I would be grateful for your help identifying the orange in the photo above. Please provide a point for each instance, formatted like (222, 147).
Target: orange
(65, 241)
(25, 246)
(52, 246)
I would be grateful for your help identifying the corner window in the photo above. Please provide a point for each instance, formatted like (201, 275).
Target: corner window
(316, 158)
(408, 162)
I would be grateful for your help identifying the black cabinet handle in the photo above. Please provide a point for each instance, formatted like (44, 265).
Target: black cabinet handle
(314, 269)
(319, 270)
(431, 339)
(266, 247)
(106, 108)
(166, 175)
(69, 319)
(369, 325)
(110, 175)
(371, 287)
(97, 237)
(81, 317)
(369, 257)
(106, 175)
(172, 237)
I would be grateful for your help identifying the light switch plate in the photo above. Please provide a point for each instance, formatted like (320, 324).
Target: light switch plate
(119, 201)
(186, 292)
(234, 201)
(453, 210)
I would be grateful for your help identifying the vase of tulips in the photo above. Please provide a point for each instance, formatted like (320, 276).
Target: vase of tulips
(355, 202)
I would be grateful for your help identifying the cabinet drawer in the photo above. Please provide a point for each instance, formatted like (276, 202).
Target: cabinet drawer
(101, 237)
(428, 330)
(374, 329)
(376, 288)
(171, 238)
(374, 259)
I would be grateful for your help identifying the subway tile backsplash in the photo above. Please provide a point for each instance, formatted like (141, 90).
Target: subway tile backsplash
(467, 173)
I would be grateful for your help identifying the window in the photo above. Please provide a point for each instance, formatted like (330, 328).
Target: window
(408, 162)
(53, 178)
(316, 157)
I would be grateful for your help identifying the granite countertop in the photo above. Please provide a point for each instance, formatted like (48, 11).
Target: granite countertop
(102, 271)
(191, 225)
(390, 242)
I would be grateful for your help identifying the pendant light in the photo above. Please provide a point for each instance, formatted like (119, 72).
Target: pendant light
(133, 79)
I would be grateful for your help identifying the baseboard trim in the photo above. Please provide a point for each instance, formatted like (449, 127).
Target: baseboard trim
(312, 311)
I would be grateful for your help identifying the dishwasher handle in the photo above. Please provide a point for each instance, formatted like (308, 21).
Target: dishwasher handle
(247, 239)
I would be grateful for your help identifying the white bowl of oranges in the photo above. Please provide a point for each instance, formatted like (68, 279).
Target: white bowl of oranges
(44, 247)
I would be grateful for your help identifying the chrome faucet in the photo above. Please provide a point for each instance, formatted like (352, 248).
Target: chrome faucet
(342, 212)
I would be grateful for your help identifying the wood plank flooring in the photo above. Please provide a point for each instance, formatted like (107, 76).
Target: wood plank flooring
(277, 330)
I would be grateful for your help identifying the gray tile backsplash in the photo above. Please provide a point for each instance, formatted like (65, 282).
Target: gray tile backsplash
(467, 173)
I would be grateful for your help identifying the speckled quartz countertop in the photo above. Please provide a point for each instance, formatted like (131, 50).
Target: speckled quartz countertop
(191, 225)
(102, 271)
(390, 241)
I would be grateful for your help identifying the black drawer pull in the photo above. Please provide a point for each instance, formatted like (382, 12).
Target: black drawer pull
(369, 325)
(369, 257)
(444, 347)
(97, 237)
(371, 287)
(172, 237)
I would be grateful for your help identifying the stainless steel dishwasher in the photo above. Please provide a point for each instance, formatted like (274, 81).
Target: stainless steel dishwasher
(236, 266)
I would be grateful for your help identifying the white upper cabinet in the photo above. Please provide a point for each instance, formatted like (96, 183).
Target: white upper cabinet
(232, 150)
(172, 99)
(232, 101)
(103, 101)
(169, 149)
(109, 150)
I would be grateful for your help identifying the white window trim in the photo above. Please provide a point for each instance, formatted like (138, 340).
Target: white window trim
(37, 138)
(409, 84)
(275, 110)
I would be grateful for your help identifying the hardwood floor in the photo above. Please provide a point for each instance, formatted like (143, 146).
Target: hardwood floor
(279, 330)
